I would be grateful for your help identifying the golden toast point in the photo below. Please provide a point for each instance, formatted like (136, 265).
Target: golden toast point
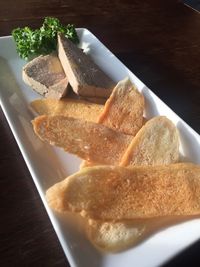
(156, 143)
(88, 140)
(68, 107)
(116, 193)
(123, 111)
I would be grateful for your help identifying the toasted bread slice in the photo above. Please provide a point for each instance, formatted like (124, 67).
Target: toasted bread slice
(124, 109)
(85, 77)
(114, 237)
(45, 106)
(156, 143)
(88, 140)
(117, 236)
(119, 193)
(68, 107)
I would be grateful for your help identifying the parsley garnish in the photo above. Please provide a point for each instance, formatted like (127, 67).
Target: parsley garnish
(31, 43)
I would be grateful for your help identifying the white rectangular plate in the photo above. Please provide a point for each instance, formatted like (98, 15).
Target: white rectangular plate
(49, 165)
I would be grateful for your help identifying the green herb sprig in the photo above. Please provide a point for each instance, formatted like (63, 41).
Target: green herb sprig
(30, 43)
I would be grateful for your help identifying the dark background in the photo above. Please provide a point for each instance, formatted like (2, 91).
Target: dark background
(159, 41)
(195, 4)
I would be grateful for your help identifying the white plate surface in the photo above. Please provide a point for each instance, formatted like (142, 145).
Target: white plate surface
(49, 165)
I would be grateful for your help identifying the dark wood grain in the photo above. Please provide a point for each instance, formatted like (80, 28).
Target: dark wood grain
(159, 41)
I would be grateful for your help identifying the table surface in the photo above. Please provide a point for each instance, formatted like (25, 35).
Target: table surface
(159, 41)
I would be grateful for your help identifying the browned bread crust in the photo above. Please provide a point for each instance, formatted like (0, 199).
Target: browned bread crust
(118, 193)
(68, 107)
(88, 140)
(124, 109)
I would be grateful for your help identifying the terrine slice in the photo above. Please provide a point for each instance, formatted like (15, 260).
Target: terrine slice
(46, 76)
(85, 77)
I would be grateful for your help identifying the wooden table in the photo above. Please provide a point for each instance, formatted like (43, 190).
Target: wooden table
(159, 41)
